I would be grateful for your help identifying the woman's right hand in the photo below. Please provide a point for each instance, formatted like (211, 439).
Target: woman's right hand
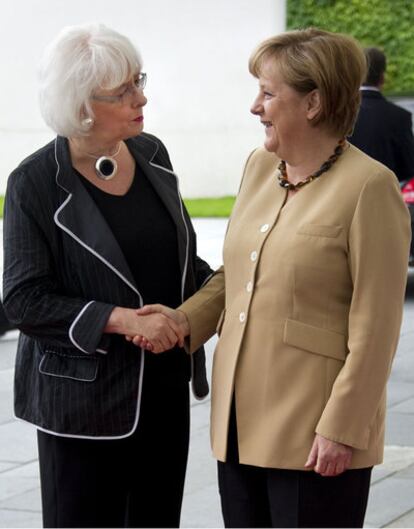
(174, 316)
(162, 332)
(328, 458)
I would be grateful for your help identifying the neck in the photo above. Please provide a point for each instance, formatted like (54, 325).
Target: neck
(309, 156)
(81, 147)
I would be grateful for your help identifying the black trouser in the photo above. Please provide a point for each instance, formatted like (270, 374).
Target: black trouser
(133, 482)
(266, 497)
(261, 497)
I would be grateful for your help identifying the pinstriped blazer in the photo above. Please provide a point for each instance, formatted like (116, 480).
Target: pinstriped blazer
(63, 275)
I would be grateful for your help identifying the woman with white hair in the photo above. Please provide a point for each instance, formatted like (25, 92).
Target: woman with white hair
(95, 227)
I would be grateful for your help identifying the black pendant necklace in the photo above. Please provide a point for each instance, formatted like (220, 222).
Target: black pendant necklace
(282, 174)
(106, 166)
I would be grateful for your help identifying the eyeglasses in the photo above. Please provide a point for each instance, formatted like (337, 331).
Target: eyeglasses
(128, 92)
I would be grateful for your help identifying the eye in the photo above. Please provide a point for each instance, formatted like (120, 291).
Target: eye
(267, 95)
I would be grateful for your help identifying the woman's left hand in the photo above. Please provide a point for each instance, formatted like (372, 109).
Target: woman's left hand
(328, 458)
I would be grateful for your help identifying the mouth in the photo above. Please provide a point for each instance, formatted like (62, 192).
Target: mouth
(139, 119)
(266, 124)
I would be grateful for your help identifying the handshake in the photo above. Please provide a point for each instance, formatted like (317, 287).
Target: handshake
(157, 328)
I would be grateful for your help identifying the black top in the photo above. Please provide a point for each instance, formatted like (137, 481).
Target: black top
(64, 272)
(147, 236)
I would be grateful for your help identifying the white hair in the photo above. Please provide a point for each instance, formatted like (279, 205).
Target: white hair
(80, 60)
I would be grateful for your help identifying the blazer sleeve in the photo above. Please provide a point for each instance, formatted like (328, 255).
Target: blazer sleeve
(378, 255)
(203, 310)
(32, 296)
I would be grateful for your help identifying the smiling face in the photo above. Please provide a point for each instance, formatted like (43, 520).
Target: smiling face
(284, 112)
(118, 113)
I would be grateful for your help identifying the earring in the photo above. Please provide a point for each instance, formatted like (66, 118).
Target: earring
(87, 123)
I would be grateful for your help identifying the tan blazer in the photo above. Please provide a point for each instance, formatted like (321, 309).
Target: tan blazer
(313, 294)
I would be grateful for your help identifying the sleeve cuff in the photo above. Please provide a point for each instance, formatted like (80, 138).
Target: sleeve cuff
(86, 331)
(355, 439)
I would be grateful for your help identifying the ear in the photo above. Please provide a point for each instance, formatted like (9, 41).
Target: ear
(313, 104)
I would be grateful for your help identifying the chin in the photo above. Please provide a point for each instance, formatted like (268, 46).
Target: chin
(270, 146)
(135, 131)
(138, 129)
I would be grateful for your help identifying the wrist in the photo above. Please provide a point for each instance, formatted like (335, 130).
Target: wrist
(116, 321)
(183, 322)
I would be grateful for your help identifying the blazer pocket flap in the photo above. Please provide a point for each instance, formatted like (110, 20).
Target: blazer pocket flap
(315, 339)
(319, 230)
(75, 367)
(220, 321)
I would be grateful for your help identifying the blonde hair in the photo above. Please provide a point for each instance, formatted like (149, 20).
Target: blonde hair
(80, 60)
(310, 59)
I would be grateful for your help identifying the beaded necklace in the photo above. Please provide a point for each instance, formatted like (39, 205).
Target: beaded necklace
(282, 174)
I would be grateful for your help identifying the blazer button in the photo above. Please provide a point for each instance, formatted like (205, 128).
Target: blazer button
(249, 286)
(242, 317)
(264, 228)
(253, 256)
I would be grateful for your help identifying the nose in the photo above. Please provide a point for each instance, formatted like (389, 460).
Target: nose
(257, 106)
(139, 99)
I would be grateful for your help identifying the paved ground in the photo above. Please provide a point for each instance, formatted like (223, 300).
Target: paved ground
(392, 493)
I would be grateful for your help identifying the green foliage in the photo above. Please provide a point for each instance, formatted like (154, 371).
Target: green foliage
(386, 24)
(210, 207)
(197, 207)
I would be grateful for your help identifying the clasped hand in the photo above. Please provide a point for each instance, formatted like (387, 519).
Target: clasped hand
(164, 328)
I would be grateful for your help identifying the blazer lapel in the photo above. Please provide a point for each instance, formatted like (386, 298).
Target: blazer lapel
(165, 183)
(80, 218)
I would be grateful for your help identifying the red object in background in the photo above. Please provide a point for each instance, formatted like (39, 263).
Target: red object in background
(408, 192)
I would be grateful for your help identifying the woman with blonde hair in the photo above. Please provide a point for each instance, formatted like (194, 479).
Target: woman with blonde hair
(309, 302)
